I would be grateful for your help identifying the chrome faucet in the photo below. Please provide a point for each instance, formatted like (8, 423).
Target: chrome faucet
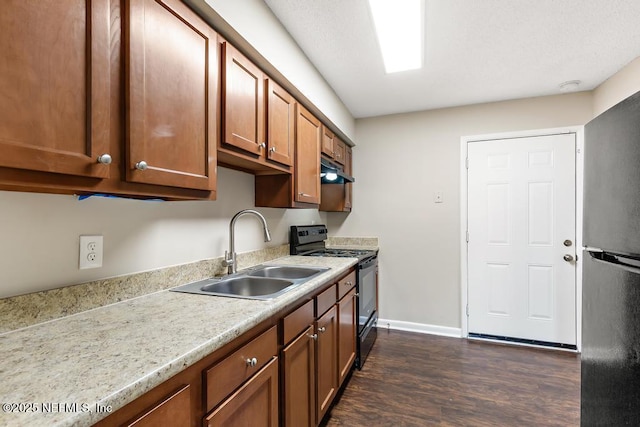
(230, 256)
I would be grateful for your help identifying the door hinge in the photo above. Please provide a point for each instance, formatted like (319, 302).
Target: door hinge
(466, 162)
(467, 236)
(467, 310)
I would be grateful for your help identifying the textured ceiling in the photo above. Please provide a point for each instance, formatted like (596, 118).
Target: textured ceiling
(475, 50)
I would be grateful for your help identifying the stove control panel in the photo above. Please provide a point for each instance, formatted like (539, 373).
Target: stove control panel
(305, 234)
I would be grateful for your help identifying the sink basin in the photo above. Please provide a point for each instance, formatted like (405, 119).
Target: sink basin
(263, 282)
(248, 286)
(286, 272)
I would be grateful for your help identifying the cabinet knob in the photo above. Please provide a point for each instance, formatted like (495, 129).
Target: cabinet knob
(313, 337)
(252, 362)
(262, 145)
(105, 159)
(272, 149)
(141, 165)
(322, 329)
(349, 284)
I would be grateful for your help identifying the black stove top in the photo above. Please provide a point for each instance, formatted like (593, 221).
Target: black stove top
(351, 253)
(309, 240)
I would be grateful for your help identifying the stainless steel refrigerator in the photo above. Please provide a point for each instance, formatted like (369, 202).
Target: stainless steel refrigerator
(610, 386)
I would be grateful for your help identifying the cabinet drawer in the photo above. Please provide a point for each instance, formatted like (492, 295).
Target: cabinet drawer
(346, 284)
(297, 321)
(175, 410)
(224, 377)
(254, 404)
(325, 300)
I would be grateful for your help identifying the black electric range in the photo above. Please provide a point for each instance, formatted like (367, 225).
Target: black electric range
(309, 240)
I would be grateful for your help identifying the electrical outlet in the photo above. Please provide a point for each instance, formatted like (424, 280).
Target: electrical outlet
(91, 252)
(437, 197)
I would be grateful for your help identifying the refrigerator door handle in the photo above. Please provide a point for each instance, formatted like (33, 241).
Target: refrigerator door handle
(590, 249)
(628, 263)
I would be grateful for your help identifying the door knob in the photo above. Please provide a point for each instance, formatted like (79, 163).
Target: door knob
(567, 243)
(567, 258)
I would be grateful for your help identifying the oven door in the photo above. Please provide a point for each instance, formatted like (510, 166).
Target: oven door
(367, 291)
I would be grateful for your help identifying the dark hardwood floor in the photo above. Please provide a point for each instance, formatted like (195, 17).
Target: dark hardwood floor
(425, 380)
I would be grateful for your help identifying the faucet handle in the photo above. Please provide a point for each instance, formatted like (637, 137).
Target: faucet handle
(228, 260)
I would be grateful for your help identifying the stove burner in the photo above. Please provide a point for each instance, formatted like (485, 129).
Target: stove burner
(352, 253)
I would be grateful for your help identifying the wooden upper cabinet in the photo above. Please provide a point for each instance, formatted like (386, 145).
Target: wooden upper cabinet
(307, 168)
(348, 160)
(54, 86)
(281, 128)
(171, 72)
(327, 142)
(339, 151)
(243, 102)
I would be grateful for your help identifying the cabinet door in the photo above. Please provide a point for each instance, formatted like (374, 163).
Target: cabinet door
(171, 63)
(243, 102)
(298, 373)
(348, 187)
(327, 364)
(327, 142)
(307, 168)
(173, 411)
(255, 404)
(339, 151)
(281, 129)
(54, 86)
(346, 334)
(348, 160)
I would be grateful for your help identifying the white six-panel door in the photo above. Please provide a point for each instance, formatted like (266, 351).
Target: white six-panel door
(521, 217)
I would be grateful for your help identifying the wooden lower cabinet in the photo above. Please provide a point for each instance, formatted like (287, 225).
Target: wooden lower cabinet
(174, 411)
(346, 335)
(284, 372)
(298, 381)
(327, 360)
(255, 404)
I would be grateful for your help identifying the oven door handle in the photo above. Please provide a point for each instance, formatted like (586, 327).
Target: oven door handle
(367, 263)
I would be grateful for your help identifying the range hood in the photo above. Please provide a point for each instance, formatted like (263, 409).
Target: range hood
(332, 173)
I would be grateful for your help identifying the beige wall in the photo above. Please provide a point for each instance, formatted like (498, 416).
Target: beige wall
(400, 162)
(39, 243)
(621, 85)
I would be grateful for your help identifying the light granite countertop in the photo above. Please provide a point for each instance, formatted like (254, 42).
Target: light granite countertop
(110, 355)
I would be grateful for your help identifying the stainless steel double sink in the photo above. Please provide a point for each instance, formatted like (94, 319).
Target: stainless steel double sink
(263, 282)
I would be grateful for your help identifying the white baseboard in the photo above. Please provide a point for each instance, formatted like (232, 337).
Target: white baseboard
(399, 325)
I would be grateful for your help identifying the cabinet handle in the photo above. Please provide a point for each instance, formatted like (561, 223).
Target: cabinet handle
(252, 362)
(313, 337)
(349, 284)
(262, 145)
(272, 149)
(141, 165)
(105, 159)
(322, 329)
(304, 194)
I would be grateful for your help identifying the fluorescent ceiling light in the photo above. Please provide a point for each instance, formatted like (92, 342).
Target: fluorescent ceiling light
(399, 26)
